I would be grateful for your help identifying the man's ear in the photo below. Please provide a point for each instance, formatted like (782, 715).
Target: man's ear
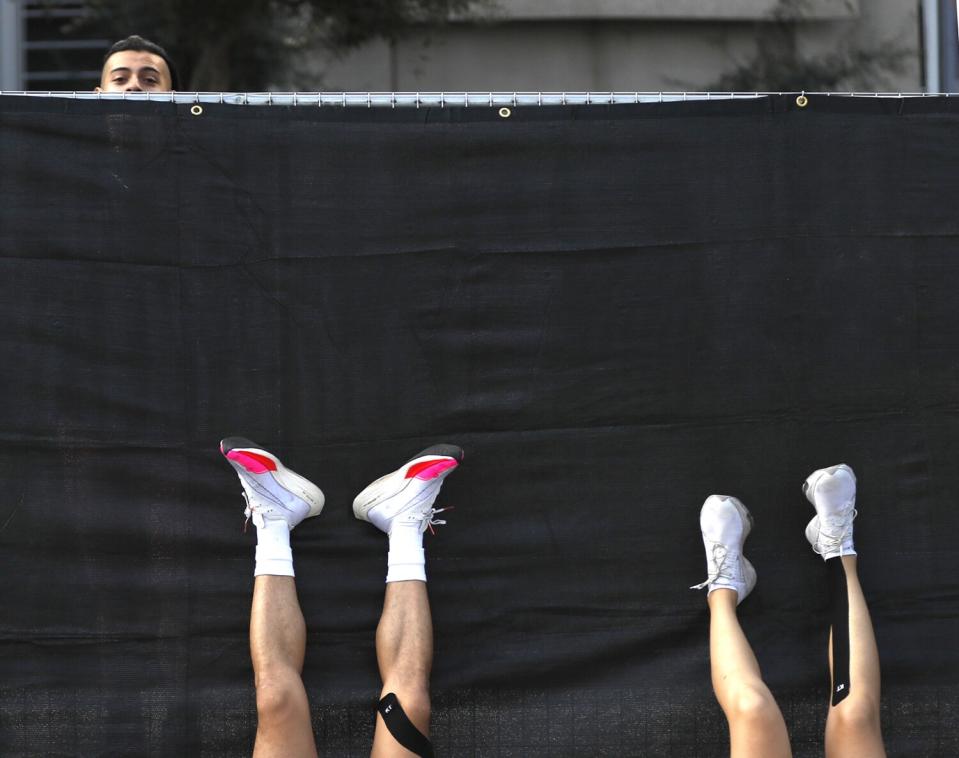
(97, 89)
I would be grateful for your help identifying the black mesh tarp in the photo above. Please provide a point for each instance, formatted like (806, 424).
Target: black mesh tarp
(615, 310)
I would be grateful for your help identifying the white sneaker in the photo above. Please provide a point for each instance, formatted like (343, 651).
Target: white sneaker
(270, 489)
(833, 493)
(726, 523)
(407, 494)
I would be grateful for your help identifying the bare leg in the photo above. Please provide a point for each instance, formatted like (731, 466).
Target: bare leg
(277, 647)
(852, 727)
(401, 505)
(756, 726)
(277, 499)
(404, 650)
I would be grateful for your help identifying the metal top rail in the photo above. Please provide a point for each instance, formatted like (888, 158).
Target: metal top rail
(442, 99)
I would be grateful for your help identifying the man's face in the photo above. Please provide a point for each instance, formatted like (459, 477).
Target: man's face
(135, 71)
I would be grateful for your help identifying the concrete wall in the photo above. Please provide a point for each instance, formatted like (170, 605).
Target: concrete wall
(619, 45)
(685, 10)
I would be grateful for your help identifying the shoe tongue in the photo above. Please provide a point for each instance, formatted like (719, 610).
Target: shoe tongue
(835, 515)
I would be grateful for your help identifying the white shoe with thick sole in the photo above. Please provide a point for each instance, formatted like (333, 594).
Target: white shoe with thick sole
(725, 523)
(270, 489)
(407, 494)
(832, 491)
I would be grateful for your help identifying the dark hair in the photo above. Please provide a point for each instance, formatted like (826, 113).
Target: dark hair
(140, 45)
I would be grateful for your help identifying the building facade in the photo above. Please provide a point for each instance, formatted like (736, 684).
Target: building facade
(573, 45)
(652, 45)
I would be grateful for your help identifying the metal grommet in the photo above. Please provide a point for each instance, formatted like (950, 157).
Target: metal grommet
(505, 112)
(196, 110)
(802, 101)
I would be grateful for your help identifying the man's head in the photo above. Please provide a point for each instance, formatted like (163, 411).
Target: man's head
(135, 64)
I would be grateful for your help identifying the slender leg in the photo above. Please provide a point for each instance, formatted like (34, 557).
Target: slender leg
(852, 727)
(756, 726)
(401, 505)
(404, 650)
(277, 499)
(277, 647)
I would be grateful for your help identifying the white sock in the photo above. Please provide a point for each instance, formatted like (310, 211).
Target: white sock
(406, 559)
(273, 554)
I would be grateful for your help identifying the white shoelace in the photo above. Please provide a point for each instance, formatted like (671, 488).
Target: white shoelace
(828, 540)
(720, 558)
(427, 520)
(250, 512)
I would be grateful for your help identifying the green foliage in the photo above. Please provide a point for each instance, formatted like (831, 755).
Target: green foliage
(231, 45)
(777, 66)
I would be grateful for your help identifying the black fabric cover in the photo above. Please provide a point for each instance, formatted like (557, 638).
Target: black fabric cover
(615, 310)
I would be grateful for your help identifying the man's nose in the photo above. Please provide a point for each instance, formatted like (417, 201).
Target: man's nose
(133, 86)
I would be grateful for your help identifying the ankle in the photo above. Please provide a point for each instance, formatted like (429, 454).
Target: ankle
(406, 560)
(722, 598)
(274, 557)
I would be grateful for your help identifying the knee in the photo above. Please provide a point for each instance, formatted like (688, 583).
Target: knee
(277, 700)
(415, 702)
(753, 704)
(856, 714)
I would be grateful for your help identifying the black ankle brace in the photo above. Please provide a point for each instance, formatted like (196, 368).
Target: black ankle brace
(839, 611)
(402, 728)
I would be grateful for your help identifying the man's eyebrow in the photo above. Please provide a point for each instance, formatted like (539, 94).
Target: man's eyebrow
(142, 69)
